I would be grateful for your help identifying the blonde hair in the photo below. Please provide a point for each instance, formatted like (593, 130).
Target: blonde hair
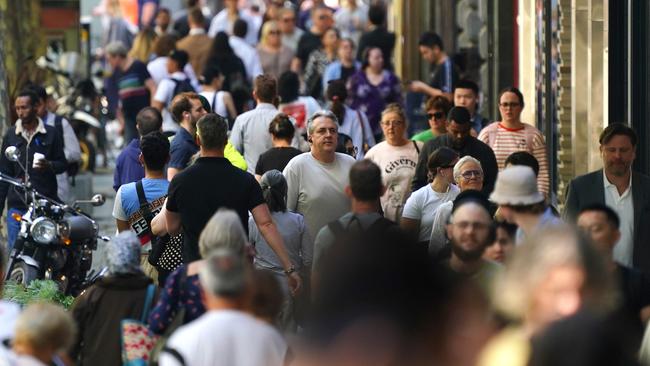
(397, 109)
(266, 28)
(45, 325)
(533, 260)
(223, 230)
(143, 45)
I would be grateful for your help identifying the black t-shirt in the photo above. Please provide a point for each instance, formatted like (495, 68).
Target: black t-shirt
(346, 72)
(308, 42)
(275, 158)
(200, 190)
(444, 76)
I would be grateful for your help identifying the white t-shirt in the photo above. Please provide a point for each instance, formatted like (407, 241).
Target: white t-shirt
(316, 189)
(228, 338)
(397, 164)
(158, 70)
(422, 205)
(164, 94)
(219, 106)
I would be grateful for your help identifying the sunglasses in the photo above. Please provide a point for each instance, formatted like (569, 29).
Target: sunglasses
(436, 115)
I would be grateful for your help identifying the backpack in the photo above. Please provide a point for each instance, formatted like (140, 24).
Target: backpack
(73, 167)
(181, 86)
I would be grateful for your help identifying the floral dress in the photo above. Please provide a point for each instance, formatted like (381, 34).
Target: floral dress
(181, 291)
(372, 99)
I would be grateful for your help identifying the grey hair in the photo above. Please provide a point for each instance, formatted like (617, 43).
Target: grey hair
(123, 253)
(223, 230)
(533, 260)
(464, 160)
(224, 273)
(321, 113)
(116, 48)
(45, 325)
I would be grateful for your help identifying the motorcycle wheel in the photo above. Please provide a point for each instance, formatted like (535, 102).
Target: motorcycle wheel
(23, 273)
(88, 156)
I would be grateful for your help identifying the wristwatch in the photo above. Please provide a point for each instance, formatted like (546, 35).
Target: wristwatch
(290, 270)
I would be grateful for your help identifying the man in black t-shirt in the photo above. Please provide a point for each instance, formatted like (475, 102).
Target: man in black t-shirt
(443, 71)
(322, 20)
(211, 183)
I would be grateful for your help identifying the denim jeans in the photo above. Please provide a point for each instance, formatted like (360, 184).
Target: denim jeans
(13, 227)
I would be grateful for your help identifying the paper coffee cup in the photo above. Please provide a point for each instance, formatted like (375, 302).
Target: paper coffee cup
(37, 157)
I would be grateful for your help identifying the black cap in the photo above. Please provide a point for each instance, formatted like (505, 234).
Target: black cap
(181, 57)
(459, 115)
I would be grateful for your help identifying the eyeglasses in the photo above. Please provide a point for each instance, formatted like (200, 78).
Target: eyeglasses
(509, 105)
(436, 115)
(324, 17)
(463, 225)
(469, 174)
(396, 123)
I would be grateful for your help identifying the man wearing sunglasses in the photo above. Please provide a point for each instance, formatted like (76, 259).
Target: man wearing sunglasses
(437, 109)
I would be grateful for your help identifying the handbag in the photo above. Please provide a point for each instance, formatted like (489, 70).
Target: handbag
(137, 340)
(166, 251)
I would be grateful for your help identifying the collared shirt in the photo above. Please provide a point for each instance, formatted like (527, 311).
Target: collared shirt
(70, 142)
(28, 135)
(546, 221)
(248, 54)
(181, 150)
(623, 204)
(250, 133)
(196, 31)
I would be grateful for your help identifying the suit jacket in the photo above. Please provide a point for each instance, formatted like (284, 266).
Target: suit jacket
(589, 189)
(197, 47)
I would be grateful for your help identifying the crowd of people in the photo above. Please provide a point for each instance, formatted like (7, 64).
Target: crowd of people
(276, 190)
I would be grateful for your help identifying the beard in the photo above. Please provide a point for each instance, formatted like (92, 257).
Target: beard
(467, 255)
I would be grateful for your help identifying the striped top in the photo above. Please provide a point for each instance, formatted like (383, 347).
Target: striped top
(505, 141)
(132, 90)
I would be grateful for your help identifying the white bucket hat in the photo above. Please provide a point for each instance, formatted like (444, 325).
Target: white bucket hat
(516, 186)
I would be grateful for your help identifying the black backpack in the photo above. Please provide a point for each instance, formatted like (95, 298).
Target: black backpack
(182, 86)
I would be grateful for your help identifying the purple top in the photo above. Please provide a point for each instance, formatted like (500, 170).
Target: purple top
(127, 167)
(173, 297)
(372, 99)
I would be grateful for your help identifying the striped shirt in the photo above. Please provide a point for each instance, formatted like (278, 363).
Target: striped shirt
(505, 141)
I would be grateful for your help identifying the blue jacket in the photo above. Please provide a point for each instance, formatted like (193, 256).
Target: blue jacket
(127, 167)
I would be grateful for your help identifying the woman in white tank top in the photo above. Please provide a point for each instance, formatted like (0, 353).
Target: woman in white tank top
(220, 101)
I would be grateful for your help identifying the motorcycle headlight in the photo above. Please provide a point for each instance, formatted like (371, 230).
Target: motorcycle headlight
(43, 230)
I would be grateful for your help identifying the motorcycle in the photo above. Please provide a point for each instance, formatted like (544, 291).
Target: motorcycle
(55, 242)
(78, 100)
